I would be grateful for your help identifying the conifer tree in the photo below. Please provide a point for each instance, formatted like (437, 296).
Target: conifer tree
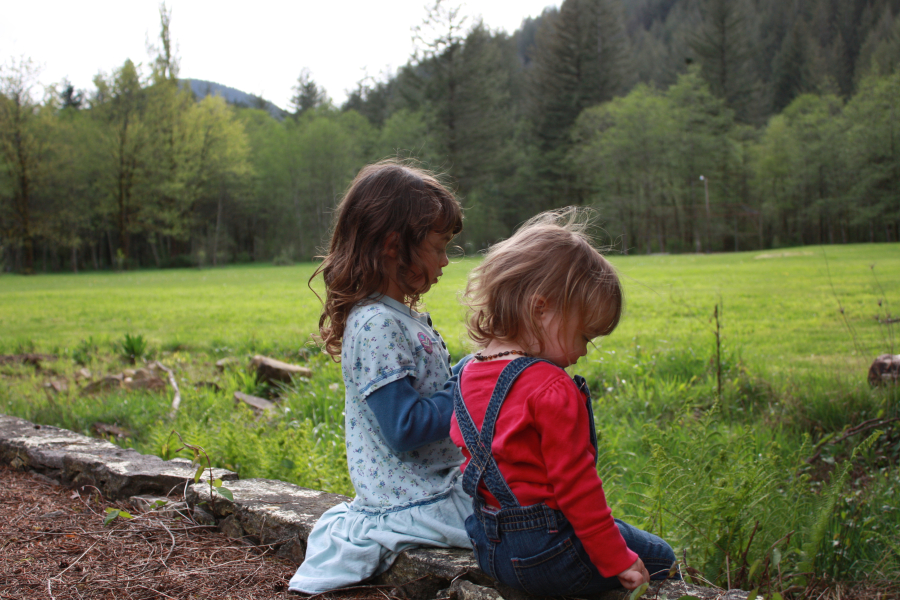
(307, 94)
(724, 47)
(880, 53)
(579, 61)
(793, 75)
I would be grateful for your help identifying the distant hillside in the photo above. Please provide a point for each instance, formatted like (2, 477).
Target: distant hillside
(202, 89)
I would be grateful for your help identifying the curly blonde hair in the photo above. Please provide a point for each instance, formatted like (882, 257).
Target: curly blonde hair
(551, 257)
(385, 198)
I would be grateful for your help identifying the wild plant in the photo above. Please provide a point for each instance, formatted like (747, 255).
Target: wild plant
(828, 528)
(885, 319)
(133, 347)
(248, 382)
(85, 352)
(716, 495)
(215, 485)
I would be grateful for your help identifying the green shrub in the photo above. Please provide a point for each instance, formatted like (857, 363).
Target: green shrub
(85, 352)
(133, 347)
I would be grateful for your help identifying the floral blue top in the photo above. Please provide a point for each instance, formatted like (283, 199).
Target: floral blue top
(385, 341)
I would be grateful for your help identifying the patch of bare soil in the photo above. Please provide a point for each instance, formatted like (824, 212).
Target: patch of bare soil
(53, 544)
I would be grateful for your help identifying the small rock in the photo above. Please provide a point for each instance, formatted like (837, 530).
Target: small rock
(82, 373)
(259, 405)
(884, 370)
(144, 373)
(466, 590)
(269, 370)
(108, 383)
(144, 503)
(53, 514)
(44, 478)
(29, 359)
(231, 527)
(426, 586)
(56, 386)
(227, 361)
(129, 379)
(202, 517)
(159, 505)
(144, 379)
(104, 430)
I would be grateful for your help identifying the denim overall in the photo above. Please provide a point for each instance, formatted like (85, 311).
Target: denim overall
(534, 548)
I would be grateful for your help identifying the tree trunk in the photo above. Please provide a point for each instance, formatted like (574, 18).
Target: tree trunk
(151, 239)
(112, 251)
(215, 253)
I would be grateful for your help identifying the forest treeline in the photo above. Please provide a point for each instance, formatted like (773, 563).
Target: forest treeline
(689, 125)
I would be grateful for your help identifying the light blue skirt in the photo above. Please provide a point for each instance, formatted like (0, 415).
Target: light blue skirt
(348, 545)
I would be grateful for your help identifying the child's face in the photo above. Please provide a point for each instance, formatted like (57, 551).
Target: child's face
(433, 256)
(564, 340)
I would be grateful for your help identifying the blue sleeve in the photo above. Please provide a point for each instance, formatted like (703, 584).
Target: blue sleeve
(408, 419)
(458, 367)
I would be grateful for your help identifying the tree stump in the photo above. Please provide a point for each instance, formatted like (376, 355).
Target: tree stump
(884, 370)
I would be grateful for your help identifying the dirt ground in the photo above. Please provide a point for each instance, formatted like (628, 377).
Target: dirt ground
(53, 544)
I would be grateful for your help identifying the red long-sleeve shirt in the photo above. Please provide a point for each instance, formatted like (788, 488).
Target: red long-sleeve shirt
(543, 449)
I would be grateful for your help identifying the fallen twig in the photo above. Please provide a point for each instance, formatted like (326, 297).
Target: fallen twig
(861, 428)
(176, 400)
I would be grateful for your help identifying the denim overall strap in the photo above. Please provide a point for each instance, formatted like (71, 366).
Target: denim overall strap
(482, 464)
(582, 385)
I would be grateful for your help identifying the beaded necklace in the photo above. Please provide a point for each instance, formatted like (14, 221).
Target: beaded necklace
(480, 357)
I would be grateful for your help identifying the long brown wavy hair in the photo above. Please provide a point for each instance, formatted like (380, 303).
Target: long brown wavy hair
(385, 198)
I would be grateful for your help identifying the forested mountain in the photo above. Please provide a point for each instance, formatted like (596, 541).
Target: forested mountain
(202, 88)
(689, 125)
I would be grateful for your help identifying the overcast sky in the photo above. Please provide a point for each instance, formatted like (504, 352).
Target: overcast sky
(259, 46)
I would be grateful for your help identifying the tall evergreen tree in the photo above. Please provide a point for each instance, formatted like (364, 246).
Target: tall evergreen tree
(440, 72)
(793, 74)
(70, 97)
(307, 94)
(724, 47)
(579, 61)
(880, 53)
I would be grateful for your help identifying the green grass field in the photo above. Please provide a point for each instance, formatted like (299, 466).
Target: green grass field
(727, 475)
(779, 309)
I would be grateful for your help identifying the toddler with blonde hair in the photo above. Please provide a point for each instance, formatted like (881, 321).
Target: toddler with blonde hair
(541, 522)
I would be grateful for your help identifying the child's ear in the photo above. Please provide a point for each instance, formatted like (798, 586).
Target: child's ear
(392, 245)
(539, 305)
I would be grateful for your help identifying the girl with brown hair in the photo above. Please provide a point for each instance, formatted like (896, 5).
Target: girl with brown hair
(388, 248)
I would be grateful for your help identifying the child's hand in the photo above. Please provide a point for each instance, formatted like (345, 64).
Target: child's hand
(632, 577)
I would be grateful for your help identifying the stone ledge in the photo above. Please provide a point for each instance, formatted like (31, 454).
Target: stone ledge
(268, 512)
(76, 460)
(264, 510)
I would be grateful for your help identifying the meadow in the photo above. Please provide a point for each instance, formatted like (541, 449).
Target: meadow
(769, 459)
